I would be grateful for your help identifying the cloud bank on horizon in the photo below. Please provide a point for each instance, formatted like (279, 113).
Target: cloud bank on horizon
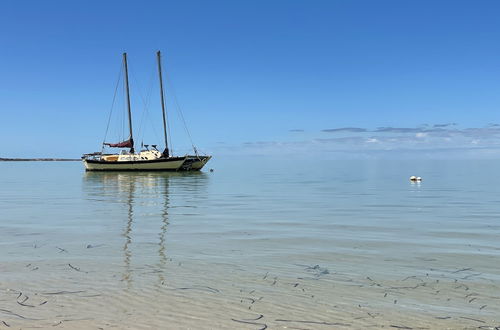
(432, 139)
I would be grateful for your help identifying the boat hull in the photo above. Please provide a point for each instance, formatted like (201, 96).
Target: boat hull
(198, 164)
(195, 163)
(161, 164)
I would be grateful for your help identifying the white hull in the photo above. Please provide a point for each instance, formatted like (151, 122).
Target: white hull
(140, 165)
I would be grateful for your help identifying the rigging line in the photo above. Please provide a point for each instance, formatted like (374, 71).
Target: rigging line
(179, 111)
(122, 114)
(112, 105)
(124, 111)
(145, 101)
(145, 113)
(167, 121)
(169, 136)
(155, 132)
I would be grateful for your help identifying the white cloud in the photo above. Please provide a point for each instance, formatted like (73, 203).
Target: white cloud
(421, 135)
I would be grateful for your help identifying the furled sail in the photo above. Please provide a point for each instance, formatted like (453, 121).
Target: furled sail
(125, 144)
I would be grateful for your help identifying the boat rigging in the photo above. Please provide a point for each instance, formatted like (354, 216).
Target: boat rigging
(148, 159)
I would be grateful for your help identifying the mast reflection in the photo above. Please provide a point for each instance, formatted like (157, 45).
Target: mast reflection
(146, 196)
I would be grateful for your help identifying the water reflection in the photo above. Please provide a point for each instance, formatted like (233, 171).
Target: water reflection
(143, 200)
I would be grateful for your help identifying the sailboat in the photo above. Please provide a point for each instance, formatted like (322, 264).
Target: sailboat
(147, 159)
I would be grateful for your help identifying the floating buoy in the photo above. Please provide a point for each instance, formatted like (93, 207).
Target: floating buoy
(415, 178)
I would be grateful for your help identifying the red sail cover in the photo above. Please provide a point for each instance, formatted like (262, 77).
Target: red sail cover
(124, 144)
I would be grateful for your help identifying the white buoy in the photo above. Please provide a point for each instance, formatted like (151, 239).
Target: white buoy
(419, 178)
(414, 178)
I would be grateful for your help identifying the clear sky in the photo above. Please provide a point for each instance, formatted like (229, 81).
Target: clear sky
(255, 76)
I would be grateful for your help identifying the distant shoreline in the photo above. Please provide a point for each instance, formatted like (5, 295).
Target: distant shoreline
(39, 159)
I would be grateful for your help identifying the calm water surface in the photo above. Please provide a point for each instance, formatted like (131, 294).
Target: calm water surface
(296, 244)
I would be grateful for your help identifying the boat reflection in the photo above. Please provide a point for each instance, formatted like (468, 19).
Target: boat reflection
(140, 201)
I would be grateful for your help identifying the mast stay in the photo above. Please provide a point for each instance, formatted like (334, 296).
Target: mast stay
(131, 138)
(166, 152)
(130, 142)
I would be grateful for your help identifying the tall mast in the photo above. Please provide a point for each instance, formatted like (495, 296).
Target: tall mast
(128, 102)
(166, 151)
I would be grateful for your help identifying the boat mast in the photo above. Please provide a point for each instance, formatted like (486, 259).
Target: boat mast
(128, 103)
(166, 151)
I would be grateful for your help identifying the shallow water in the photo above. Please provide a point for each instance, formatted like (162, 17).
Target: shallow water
(296, 244)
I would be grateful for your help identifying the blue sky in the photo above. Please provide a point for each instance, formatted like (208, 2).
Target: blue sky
(255, 77)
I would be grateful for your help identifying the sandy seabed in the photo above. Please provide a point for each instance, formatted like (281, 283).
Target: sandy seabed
(79, 293)
(289, 249)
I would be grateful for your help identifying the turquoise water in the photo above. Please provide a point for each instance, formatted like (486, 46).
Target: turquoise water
(302, 243)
